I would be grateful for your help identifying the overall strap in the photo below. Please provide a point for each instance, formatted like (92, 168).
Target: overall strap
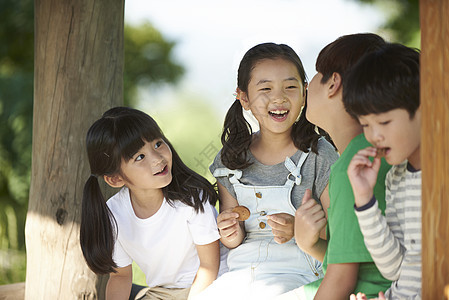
(225, 172)
(295, 170)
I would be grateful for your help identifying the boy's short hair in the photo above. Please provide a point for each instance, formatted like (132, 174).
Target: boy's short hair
(340, 55)
(383, 80)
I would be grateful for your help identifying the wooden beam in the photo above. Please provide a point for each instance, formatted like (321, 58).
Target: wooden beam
(435, 146)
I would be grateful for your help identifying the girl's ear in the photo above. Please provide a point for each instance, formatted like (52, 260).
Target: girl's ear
(115, 181)
(243, 98)
(334, 84)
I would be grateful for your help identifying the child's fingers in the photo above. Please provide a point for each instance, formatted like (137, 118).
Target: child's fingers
(307, 196)
(311, 210)
(227, 229)
(321, 223)
(229, 233)
(376, 163)
(281, 236)
(359, 159)
(226, 223)
(227, 215)
(369, 151)
(283, 225)
(280, 240)
(316, 210)
(310, 215)
(282, 219)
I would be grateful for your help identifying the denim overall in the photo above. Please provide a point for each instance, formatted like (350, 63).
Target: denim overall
(264, 260)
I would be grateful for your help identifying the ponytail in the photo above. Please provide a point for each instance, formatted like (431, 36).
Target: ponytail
(97, 234)
(236, 138)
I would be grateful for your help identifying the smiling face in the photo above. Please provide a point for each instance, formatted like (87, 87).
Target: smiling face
(149, 168)
(275, 95)
(396, 133)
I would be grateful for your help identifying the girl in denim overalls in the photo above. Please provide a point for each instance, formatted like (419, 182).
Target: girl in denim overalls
(268, 172)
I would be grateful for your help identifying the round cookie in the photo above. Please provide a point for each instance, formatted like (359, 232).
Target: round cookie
(243, 212)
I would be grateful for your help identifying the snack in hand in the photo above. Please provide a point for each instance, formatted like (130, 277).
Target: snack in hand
(243, 212)
(381, 152)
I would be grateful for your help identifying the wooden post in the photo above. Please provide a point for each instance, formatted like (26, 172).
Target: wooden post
(78, 75)
(435, 146)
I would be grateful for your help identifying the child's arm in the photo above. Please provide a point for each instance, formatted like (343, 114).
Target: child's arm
(119, 284)
(339, 282)
(232, 231)
(309, 222)
(209, 256)
(380, 240)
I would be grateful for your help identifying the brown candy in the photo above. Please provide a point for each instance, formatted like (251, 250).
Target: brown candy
(243, 212)
(381, 152)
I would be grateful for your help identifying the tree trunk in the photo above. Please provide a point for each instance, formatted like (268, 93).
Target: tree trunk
(435, 147)
(78, 75)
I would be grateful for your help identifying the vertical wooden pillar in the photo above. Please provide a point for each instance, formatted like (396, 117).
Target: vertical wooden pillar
(78, 75)
(435, 146)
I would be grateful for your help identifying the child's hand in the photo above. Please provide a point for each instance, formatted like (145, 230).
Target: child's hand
(309, 221)
(362, 174)
(282, 225)
(228, 225)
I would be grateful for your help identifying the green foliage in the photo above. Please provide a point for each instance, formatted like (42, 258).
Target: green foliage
(147, 60)
(12, 266)
(16, 109)
(403, 20)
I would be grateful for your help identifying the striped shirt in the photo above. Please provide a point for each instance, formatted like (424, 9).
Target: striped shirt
(394, 240)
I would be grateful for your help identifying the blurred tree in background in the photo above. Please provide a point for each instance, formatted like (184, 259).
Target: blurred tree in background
(147, 61)
(403, 22)
(16, 110)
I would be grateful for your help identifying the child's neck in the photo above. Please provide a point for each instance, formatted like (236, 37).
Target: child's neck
(271, 149)
(344, 131)
(415, 159)
(146, 203)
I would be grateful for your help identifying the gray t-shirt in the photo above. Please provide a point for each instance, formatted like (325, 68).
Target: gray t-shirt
(315, 172)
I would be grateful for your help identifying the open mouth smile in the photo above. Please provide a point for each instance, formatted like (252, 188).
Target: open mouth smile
(279, 114)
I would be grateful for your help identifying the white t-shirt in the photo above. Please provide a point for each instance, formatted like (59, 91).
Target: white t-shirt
(163, 245)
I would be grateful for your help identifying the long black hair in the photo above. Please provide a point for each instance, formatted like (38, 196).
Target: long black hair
(236, 136)
(114, 138)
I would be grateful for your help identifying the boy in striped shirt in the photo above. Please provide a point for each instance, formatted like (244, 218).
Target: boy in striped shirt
(382, 91)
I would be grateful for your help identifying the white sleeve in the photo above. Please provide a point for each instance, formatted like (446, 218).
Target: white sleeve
(119, 255)
(203, 226)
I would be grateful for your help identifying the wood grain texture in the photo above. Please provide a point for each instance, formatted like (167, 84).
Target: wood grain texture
(78, 75)
(435, 146)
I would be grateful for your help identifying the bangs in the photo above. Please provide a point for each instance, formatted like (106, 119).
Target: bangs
(132, 132)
